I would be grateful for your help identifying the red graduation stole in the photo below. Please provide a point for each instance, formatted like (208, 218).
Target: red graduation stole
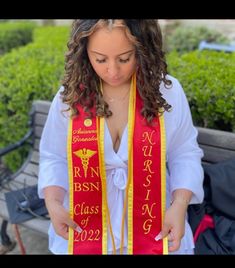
(144, 204)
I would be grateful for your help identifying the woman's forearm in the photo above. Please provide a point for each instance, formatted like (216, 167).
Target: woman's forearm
(60, 218)
(182, 196)
(54, 194)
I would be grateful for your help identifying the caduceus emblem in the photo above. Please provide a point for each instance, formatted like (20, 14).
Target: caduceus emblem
(85, 154)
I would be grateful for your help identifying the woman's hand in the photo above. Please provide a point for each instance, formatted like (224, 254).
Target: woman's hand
(174, 221)
(60, 218)
(174, 225)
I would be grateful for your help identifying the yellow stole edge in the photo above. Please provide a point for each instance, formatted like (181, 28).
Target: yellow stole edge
(163, 178)
(131, 122)
(70, 173)
(100, 137)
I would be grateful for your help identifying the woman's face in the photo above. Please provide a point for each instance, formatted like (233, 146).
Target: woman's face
(112, 55)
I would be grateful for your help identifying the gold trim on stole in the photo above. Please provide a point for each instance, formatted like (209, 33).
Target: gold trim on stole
(100, 133)
(129, 189)
(70, 172)
(105, 209)
(163, 177)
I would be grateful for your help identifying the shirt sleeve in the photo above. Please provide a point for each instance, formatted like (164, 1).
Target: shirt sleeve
(184, 154)
(53, 148)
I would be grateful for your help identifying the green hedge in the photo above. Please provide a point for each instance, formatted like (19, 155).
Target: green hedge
(15, 34)
(208, 78)
(29, 73)
(185, 39)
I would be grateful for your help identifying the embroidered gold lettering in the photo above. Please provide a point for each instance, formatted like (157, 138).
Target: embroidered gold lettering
(148, 180)
(86, 186)
(147, 226)
(148, 136)
(147, 150)
(92, 172)
(85, 154)
(147, 196)
(87, 235)
(147, 166)
(83, 131)
(147, 209)
(84, 222)
(76, 171)
(77, 138)
(77, 187)
(83, 209)
(96, 172)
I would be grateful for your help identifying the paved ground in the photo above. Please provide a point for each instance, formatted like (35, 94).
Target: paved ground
(33, 243)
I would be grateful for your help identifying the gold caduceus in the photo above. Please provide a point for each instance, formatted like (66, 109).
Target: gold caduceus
(85, 154)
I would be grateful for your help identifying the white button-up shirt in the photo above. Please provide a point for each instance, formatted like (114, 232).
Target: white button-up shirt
(184, 168)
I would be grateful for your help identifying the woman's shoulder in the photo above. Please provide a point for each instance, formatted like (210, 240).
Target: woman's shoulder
(58, 93)
(57, 104)
(175, 84)
(173, 92)
(57, 100)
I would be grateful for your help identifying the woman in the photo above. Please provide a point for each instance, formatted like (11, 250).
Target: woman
(119, 160)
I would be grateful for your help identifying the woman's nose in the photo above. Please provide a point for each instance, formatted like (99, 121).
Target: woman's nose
(112, 69)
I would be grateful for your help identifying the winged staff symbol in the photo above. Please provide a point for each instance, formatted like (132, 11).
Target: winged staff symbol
(85, 154)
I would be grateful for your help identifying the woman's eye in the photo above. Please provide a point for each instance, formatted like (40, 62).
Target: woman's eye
(124, 61)
(120, 60)
(100, 61)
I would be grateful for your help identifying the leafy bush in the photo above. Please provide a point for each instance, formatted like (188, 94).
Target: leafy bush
(208, 78)
(185, 39)
(29, 73)
(15, 34)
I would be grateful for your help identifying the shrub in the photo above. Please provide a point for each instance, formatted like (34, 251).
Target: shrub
(208, 78)
(185, 39)
(29, 73)
(15, 34)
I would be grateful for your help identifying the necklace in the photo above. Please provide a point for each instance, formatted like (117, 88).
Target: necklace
(111, 99)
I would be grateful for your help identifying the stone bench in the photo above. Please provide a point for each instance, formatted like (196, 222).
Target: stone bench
(28, 173)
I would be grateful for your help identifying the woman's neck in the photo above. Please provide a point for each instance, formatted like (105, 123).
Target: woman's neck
(117, 93)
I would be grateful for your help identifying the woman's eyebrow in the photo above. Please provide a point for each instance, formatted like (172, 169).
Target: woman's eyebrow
(96, 52)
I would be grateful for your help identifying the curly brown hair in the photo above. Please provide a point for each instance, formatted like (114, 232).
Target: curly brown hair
(82, 84)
